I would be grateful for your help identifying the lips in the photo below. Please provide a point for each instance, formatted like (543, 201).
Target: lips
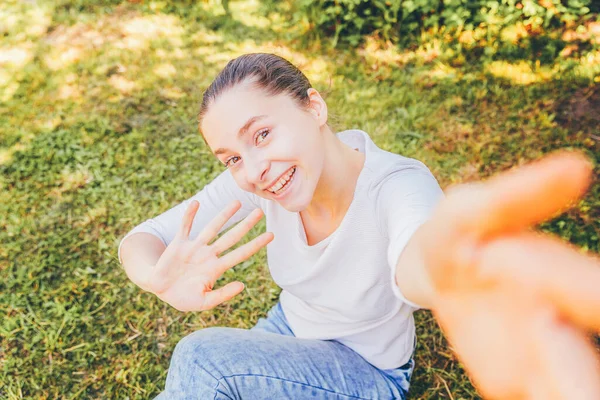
(277, 179)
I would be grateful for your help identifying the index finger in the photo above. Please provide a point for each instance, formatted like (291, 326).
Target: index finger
(188, 219)
(519, 198)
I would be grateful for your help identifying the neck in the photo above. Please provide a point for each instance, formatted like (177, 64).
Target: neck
(335, 189)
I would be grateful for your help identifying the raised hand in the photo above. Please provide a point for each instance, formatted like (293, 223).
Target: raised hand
(517, 306)
(187, 270)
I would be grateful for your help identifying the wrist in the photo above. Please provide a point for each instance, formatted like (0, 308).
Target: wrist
(141, 275)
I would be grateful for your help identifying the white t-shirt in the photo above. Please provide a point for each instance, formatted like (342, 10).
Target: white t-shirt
(341, 288)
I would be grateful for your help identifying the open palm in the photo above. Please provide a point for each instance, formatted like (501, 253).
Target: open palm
(517, 305)
(188, 269)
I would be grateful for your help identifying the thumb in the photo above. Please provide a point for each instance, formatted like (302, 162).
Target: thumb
(218, 296)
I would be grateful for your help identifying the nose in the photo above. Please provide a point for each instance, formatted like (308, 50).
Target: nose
(256, 170)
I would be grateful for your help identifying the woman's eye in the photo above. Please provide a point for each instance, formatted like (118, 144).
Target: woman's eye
(262, 134)
(227, 162)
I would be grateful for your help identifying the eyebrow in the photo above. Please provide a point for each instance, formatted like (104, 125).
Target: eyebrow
(242, 131)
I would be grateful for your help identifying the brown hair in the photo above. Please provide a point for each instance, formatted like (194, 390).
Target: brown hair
(270, 72)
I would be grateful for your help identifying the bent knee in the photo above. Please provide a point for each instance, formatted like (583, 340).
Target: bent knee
(209, 349)
(199, 363)
(201, 345)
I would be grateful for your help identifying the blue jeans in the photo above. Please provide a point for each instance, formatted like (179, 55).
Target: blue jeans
(269, 362)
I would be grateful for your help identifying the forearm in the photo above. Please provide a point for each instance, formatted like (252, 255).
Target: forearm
(139, 254)
(412, 277)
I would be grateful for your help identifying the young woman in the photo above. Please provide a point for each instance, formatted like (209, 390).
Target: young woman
(358, 239)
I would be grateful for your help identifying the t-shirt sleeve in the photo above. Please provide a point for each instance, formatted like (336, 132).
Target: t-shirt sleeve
(213, 198)
(406, 200)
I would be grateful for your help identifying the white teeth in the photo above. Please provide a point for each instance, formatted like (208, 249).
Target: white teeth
(281, 182)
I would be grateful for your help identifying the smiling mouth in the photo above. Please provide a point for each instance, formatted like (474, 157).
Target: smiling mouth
(283, 182)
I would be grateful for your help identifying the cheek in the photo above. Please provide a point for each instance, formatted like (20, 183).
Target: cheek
(283, 148)
(242, 183)
(300, 150)
(311, 153)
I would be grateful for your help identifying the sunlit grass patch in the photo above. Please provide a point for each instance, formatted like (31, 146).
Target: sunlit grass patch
(520, 73)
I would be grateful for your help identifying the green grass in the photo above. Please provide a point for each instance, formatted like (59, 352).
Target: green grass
(97, 133)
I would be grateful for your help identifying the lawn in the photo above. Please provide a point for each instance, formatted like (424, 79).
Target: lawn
(98, 103)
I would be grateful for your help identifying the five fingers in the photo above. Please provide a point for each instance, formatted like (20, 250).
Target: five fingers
(233, 236)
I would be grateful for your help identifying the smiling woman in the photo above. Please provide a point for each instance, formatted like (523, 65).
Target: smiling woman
(358, 238)
(273, 132)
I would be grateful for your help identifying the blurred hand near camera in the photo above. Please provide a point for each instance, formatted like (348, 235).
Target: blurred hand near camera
(517, 306)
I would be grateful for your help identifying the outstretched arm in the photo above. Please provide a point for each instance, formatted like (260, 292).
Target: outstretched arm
(515, 305)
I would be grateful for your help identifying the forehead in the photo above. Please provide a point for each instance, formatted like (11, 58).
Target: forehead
(235, 106)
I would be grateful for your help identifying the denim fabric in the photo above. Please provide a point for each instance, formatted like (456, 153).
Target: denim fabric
(268, 362)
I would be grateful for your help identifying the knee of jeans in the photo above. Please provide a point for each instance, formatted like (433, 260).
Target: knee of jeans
(205, 349)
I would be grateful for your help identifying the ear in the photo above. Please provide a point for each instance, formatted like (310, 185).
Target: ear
(317, 106)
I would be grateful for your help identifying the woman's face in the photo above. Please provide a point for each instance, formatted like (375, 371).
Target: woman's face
(272, 147)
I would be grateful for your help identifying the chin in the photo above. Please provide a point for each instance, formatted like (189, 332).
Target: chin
(293, 207)
(296, 204)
